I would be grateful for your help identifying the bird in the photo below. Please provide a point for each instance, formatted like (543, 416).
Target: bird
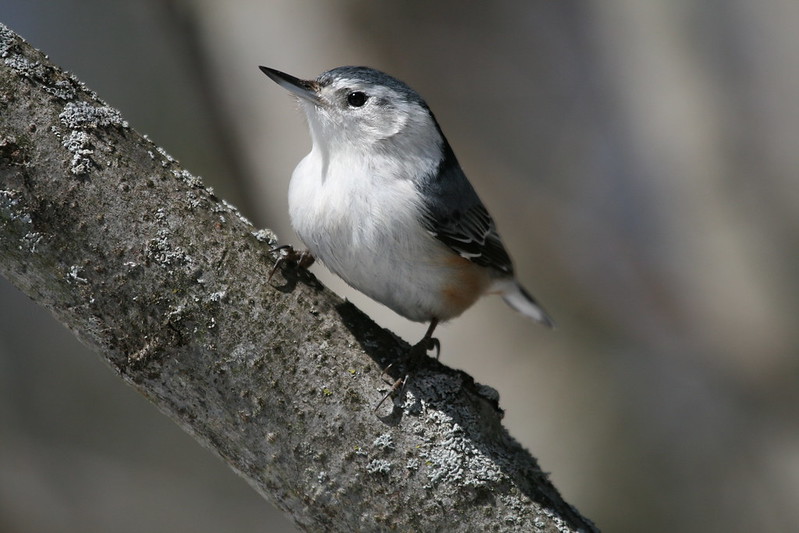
(383, 203)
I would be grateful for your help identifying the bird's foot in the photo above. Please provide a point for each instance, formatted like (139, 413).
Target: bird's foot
(287, 254)
(412, 360)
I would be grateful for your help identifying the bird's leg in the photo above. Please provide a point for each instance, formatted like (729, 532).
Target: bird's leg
(287, 254)
(413, 358)
(428, 342)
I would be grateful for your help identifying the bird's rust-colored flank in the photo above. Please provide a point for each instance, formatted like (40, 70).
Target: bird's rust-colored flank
(468, 284)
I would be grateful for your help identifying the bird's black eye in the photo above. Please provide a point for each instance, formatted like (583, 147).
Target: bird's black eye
(356, 98)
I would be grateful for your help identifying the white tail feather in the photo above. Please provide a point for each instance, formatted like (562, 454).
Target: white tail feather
(518, 298)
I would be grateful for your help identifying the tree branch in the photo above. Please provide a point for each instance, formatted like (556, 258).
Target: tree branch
(168, 284)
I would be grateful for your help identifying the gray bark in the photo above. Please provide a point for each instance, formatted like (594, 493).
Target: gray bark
(168, 283)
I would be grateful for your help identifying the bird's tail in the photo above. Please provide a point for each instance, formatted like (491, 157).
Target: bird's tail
(518, 298)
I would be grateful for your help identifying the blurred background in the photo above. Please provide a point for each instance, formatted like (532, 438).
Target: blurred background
(641, 160)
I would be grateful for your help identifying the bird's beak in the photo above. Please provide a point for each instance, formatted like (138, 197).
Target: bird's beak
(305, 89)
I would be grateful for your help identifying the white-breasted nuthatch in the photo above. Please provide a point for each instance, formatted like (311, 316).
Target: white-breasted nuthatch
(382, 201)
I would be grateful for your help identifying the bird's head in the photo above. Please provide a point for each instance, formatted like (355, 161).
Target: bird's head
(364, 110)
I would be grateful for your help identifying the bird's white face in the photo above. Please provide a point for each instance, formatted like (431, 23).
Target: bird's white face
(368, 122)
(355, 115)
(359, 112)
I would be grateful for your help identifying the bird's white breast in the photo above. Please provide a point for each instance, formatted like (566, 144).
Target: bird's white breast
(364, 223)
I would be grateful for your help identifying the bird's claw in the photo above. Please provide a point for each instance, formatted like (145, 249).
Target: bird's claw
(287, 254)
(413, 358)
(433, 342)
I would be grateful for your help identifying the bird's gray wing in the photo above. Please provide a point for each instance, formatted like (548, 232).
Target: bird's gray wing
(454, 214)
